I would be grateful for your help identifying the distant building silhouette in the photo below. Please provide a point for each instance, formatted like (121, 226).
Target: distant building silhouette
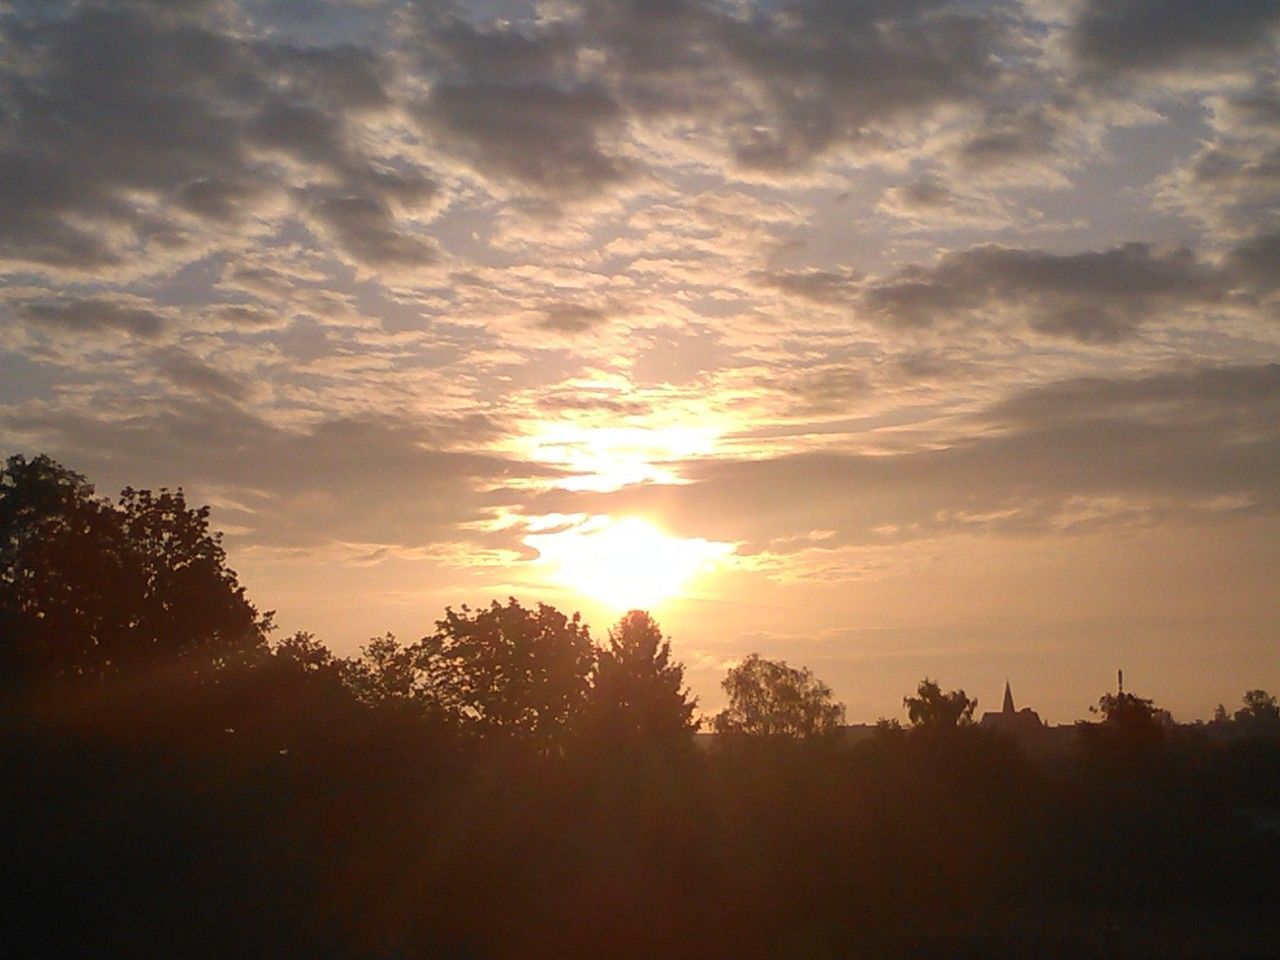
(1033, 736)
(1036, 739)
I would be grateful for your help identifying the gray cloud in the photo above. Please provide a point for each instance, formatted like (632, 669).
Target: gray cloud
(345, 76)
(820, 286)
(1093, 297)
(219, 200)
(367, 230)
(462, 51)
(832, 72)
(534, 134)
(774, 89)
(1007, 136)
(371, 479)
(932, 201)
(1118, 36)
(926, 194)
(786, 85)
(246, 315)
(1232, 183)
(513, 105)
(127, 129)
(568, 401)
(94, 315)
(188, 372)
(1254, 262)
(824, 389)
(99, 103)
(572, 318)
(1102, 296)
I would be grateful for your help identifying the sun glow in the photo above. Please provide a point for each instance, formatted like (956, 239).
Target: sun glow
(602, 459)
(625, 563)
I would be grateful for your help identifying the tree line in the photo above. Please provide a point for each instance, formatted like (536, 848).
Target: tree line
(178, 783)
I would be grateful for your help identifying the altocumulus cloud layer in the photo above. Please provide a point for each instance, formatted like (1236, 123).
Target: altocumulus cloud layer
(404, 279)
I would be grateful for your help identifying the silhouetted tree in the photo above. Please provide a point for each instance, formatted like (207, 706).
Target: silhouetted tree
(89, 588)
(1130, 718)
(1260, 713)
(508, 672)
(638, 699)
(1129, 739)
(769, 698)
(306, 654)
(931, 709)
(388, 671)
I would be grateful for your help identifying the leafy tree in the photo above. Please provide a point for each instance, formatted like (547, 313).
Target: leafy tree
(1260, 713)
(769, 698)
(508, 672)
(190, 599)
(1127, 712)
(89, 588)
(931, 709)
(1131, 727)
(638, 699)
(386, 670)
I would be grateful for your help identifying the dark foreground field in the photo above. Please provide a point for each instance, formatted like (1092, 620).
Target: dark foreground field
(275, 818)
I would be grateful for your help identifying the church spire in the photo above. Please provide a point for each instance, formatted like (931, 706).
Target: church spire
(1008, 699)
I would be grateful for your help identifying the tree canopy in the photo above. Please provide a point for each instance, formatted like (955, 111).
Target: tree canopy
(931, 709)
(638, 697)
(1132, 729)
(1260, 713)
(771, 699)
(509, 672)
(89, 587)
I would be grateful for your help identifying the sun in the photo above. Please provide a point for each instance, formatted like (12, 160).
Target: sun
(626, 563)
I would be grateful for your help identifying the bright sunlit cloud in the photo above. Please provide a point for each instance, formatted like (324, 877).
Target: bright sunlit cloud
(603, 459)
(625, 563)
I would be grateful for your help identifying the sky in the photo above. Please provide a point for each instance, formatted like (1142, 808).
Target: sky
(892, 338)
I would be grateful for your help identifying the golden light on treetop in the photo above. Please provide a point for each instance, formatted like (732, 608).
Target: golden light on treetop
(625, 563)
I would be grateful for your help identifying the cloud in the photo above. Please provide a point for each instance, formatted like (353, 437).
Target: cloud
(1253, 262)
(513, 105)
(133, 135)
(930, 201)
(246, 315)
(365, 479)
(1093, 297)
(819, 286)
(825, 388)
(1137, 36)
(819, 76)
(103, 314)
(636, 215)
(537, 136)
(190, 373)
(497, 51)
(572, 318)
(367, 230)
(1011, 136)
(561, 107)
(1232, 183)
(100, 103)
(1089, 453)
